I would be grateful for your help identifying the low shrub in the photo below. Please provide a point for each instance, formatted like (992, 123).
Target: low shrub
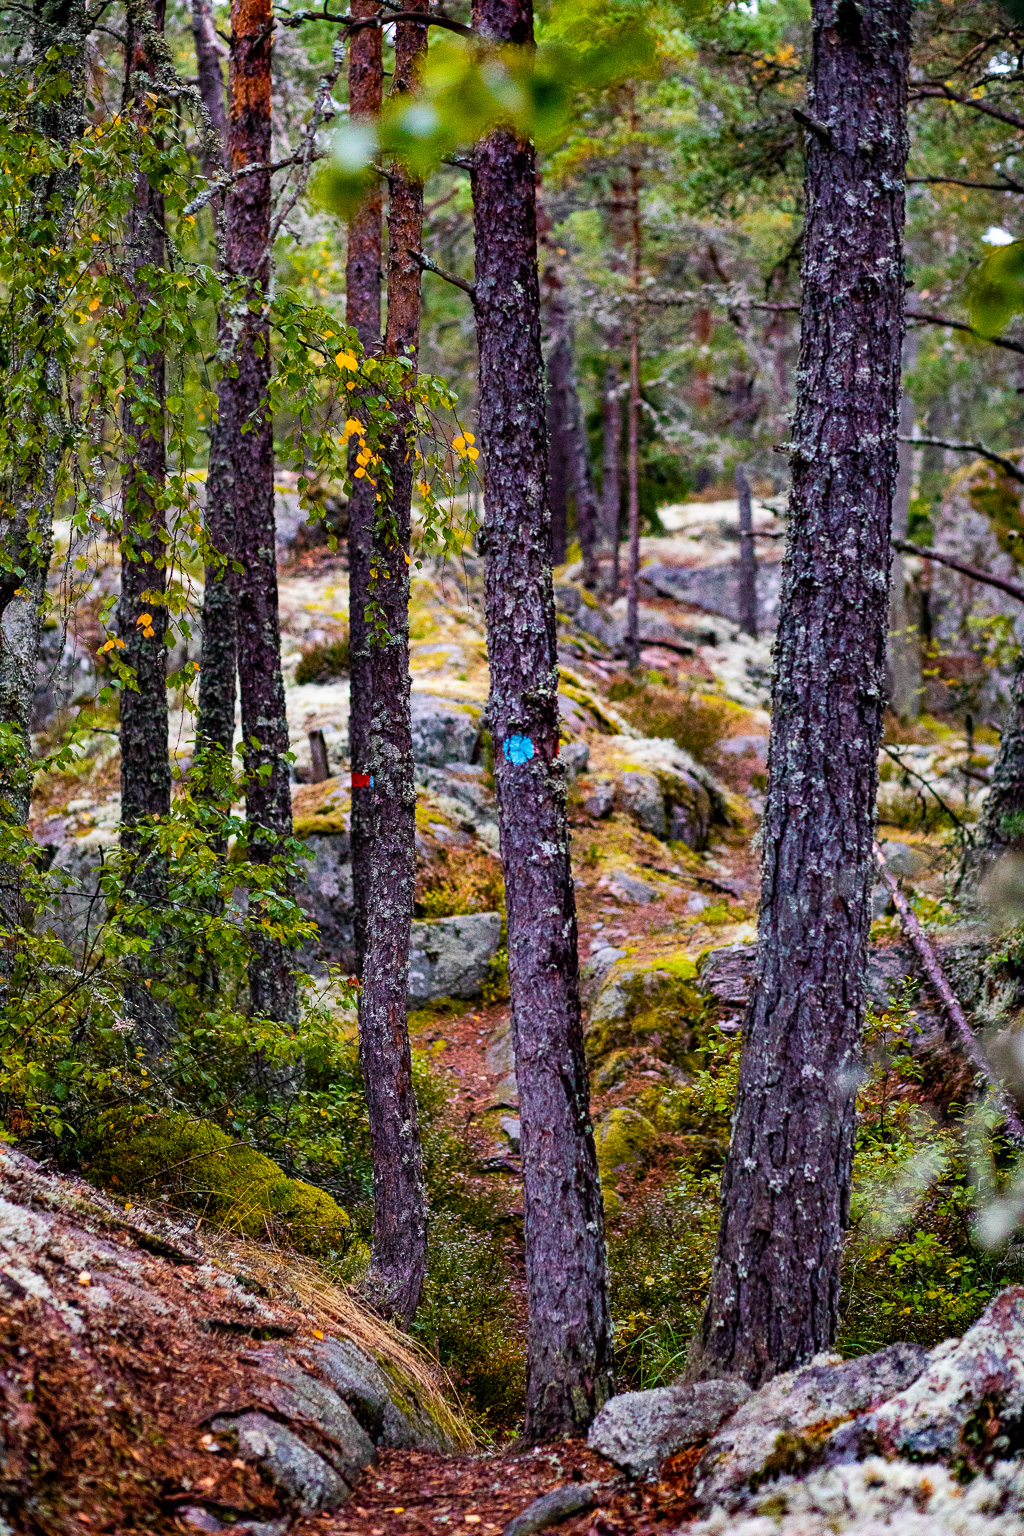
(691, 719)
(323, 663)
(457, 881)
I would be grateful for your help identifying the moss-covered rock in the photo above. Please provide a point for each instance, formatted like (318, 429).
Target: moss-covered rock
(199, 1168)
(655, 1007)
(622, 1136)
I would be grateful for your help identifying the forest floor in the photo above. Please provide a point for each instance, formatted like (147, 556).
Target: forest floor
(417, 1494)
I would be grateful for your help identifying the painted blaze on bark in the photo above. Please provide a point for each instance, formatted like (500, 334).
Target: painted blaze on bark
(569, 1339)
(785, 1190)
(398, 1254)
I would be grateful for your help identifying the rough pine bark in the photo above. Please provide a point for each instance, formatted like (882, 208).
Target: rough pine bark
(362, 301)
(29, 484)
(398, 1252)
(569, 1362)
(240, 611)
(774, 1293)
(611, 467)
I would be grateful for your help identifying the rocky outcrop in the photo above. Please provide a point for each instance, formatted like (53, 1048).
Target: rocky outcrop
(450, 957)
(640, 1430)
(783, 1428)
(145, 1374)
(443, 731)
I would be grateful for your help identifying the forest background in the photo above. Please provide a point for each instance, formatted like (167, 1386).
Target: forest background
(671, 212)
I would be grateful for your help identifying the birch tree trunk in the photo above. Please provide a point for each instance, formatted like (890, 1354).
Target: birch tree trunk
(362, 302)
(569, 1362)
(774, 1294)
(398, 1253)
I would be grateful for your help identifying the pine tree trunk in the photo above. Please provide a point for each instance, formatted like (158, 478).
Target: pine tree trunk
(747, 595)
(569, 1340)
(569, 474)
(27, 509)
(611, 469)
(399, 1250)
(211, 85)
(240, 612)
(633, 410)
(774, 1294)
(362, 300)
(145, 764)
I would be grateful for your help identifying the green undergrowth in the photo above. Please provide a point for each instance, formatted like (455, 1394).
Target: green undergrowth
(693, 720)
(324, 662)
(457, 881)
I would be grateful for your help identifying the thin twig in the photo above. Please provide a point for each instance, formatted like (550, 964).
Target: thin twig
(961, 325)
(932, 90)
(1006, 465)
(1011, 588)
(222, 183)
(933, 970)
(964, 830)
(1006, 185)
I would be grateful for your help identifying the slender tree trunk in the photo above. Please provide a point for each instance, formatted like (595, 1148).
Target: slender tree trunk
(30, 483)
(240, 612)
(747, 604)
(904, 655)
(569, 1362)
(362, 300)
(399, 1251)
(774, 1294)
(568, 455)
(611, 468)
(211, 85)
(633, 412)
(1001, 829)
(145, 764)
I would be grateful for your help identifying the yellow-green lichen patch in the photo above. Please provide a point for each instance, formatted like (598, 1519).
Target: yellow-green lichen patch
(197, 1167)
(322, 824)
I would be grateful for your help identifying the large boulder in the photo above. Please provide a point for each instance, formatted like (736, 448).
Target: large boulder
(784, 1428)
(968, 1400)
(880, 1498)
(639, 795)
(443, 731)
(450, 957)
(654, 1008)
(327, 895)
(638, 1430)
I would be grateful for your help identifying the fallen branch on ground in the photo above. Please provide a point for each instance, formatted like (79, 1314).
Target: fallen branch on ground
(933, 970)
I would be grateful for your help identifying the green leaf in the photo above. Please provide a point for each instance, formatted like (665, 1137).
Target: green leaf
(997, 290)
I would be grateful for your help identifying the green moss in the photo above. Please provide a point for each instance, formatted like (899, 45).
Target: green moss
(199, 1168)
(622, 1136)
(320, 824)
(654, 1007)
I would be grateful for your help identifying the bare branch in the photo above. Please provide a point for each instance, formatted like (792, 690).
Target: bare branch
(358, 23)
(985, 577)
(426, 265)
(936, 90)
(961, 325)
(1006, 185)
(1006, 465)
(933, 970)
